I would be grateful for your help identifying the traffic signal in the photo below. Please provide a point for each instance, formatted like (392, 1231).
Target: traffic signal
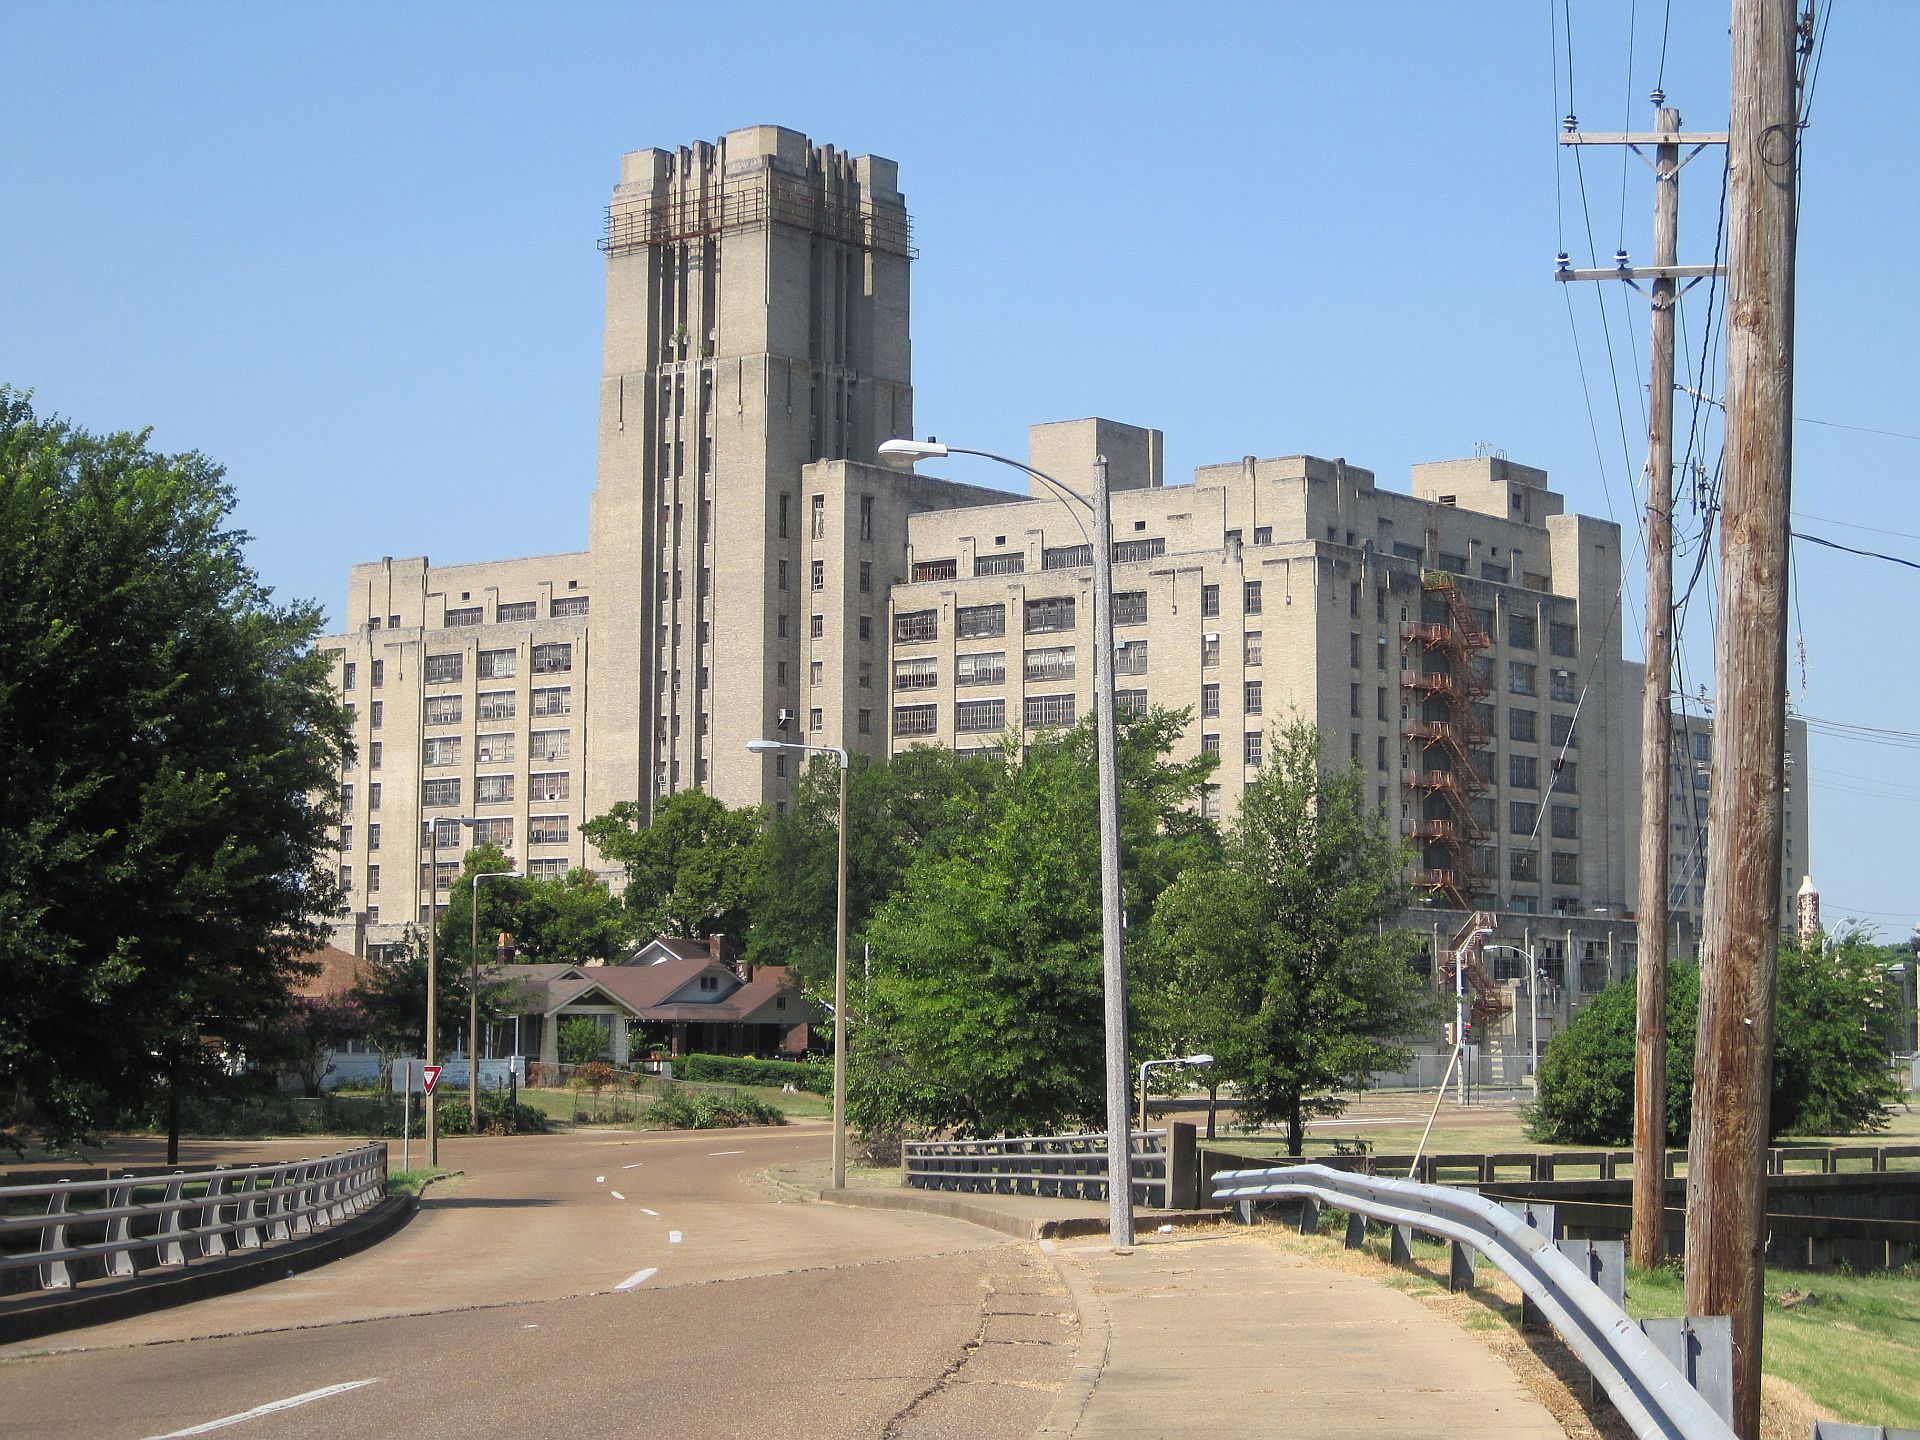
(1453, 1036)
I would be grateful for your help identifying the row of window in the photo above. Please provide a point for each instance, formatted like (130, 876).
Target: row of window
(550, 659)
(1050, 614)
(512, 612)
(544, 785)
(498, 749)
(1014, 562)
(1047, 662)
(488, 705)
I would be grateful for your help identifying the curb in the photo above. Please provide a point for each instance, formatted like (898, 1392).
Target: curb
(1089, 1359)
(52, 1312)
(989, 1216)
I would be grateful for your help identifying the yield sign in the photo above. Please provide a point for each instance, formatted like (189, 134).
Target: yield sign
(431, 1076)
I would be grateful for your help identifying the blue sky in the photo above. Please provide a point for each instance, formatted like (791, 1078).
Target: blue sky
(348, 250)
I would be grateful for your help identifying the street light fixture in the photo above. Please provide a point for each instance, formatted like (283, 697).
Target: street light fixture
(473, 999)
(768, 747)
(902, 454)
(1181, 1062)
(433, 969)
(1533, 1006)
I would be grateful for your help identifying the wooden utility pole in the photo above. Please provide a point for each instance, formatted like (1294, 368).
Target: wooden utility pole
(1733, 1058)
(1656, 732)
(1656, 729)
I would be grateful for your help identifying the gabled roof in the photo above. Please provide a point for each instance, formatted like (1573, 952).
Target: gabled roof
(339, 971)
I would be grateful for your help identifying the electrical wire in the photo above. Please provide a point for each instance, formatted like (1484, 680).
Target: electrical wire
(1869, 554)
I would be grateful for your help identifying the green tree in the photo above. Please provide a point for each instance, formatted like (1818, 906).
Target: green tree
(1830, 1060)
(1283, 958)
(688, 871)
(913, 805)
(393, 997)
(984, 1013)
(581, 1040)
(499, 905)
(169, 747)
(569, 919)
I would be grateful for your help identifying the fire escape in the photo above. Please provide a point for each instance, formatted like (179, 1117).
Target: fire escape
(1463, 952)
(1448, 779)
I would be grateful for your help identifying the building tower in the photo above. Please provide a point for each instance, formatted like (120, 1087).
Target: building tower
(1806, 914)
(756, 321)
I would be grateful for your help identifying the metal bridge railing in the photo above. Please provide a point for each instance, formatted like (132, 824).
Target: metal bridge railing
(73, 1229)
(1072, 1167)
(1652, 1396)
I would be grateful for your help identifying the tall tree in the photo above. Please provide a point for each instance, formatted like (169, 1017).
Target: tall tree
(169, 743)
(392, 996)
(984, 1013)
(570, 918)
(688, 871)
(1283, 958)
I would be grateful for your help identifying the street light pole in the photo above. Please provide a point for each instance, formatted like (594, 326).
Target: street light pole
(1181, 1061)
(761, 747)
(902, 454)
(473, 999)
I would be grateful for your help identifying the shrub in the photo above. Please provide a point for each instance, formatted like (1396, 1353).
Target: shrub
(681, 1109)
(595, 1075)
(581, 1039)
(815, 1074)
(457, 1119)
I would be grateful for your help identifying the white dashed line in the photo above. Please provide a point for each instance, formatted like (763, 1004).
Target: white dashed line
(645, 1211)
(673, 1237)
(726, 1152)
(639, 1277)
(599, 1179)
(616, 1195)
(273, 1408)
(635, 1166)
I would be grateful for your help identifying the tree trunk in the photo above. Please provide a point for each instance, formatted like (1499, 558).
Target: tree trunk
(1213, 1101)
(173, 1117)
(1296, 1128)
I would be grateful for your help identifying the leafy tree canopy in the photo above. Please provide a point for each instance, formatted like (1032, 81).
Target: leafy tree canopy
(164, 727)
(688, 871)
(1830, 1070)
(393, 998)
(571, 918)
(1283, 958)
(985, 1009)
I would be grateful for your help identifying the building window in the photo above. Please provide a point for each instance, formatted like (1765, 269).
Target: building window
(549, 744)
(552, 659)
(466, 615)
(1353, 701)
(441, 669)
(1012, 562)
(1209, 651)
(1521, 816)
(1066, 557)
(786, 502)
(376, 714)
(1263, 534)
(1049, 615)
(498, 664)
(1380, 753)
(1380, 702)
(1566, 867)
(443, 752)
(1253, 747)
(866, 627)
(1134, 700)
(1209, 744)
(817, 523)
(1566, 822)
(1353, 650)
(349, 673)
(1130, 657)
(1523, 772)
(556, 700)
(440, 792)
(373, 796)
(818, 575)
(1560, 730)
(987, 669)
(568, 607)
(496, 705)
(493, 749)
(866, 577)
(1562, 687)
(1127, 552)
(780, 574)
(971, 717)
(1523, 865)
(866, 675)
(1521, 678)
(548, 830)
(1521, 632)
(1254, 697)
(373, 837)
(549, 785)
(379, 675)
(1521, 725)
(346, 837)
(816, 720)
(1253, 648)
(1130, 607)
(866, 517)
(1562, 640)
(1209, 700)
(1050, 662)
(924, 570)
(1251, 592)
(980, 622)
(915, 719)
(817, 627)
(816, 672)
(1045, 710)
(493, 790)
(443, 709)
(1564, 777)
(915, 625)
(1209, 601)
(866, 722)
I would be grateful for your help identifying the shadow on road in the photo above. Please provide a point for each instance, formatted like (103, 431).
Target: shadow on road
(483, 1202)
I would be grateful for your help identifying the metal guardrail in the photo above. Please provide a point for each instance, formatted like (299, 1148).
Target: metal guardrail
(201, 1215)
(1651, 1395)
(1072, 1167)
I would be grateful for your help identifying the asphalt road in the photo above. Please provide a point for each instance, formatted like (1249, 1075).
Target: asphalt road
(594, 1283)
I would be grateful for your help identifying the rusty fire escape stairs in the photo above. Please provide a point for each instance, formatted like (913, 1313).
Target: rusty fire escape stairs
(1461, 781)
(1463, 954)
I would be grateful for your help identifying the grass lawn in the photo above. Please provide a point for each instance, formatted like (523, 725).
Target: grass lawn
(410, 1182)
(1851, 1342)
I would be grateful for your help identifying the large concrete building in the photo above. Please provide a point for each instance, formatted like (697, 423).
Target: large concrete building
(751, 570)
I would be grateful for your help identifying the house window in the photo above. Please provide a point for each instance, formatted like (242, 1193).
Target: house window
(1049, 615)
(1045, 710)
(986, 669)
(979, 622)
(915, 719)
(913, 625)
(442, 669)
(1251, 592)
(971, 717)
(1050, 662)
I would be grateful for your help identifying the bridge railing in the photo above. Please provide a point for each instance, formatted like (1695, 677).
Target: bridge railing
(69, 1230)
(1652, 1395)
(1071, 1167)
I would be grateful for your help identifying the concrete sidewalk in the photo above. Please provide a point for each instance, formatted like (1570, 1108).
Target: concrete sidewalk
(1211, 1334)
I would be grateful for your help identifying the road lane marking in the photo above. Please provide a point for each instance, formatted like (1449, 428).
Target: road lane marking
(635, 1166)
(654, 1213)
(639, 1277)
(268, 1409)
(673, 1237)
(616, 1195)
(599, 1179)
(725, 1152)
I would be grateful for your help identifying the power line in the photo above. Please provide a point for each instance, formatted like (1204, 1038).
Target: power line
(1869, 554)
(1854, 525)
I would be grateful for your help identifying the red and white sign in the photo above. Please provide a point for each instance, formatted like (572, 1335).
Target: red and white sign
(431, 1076)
